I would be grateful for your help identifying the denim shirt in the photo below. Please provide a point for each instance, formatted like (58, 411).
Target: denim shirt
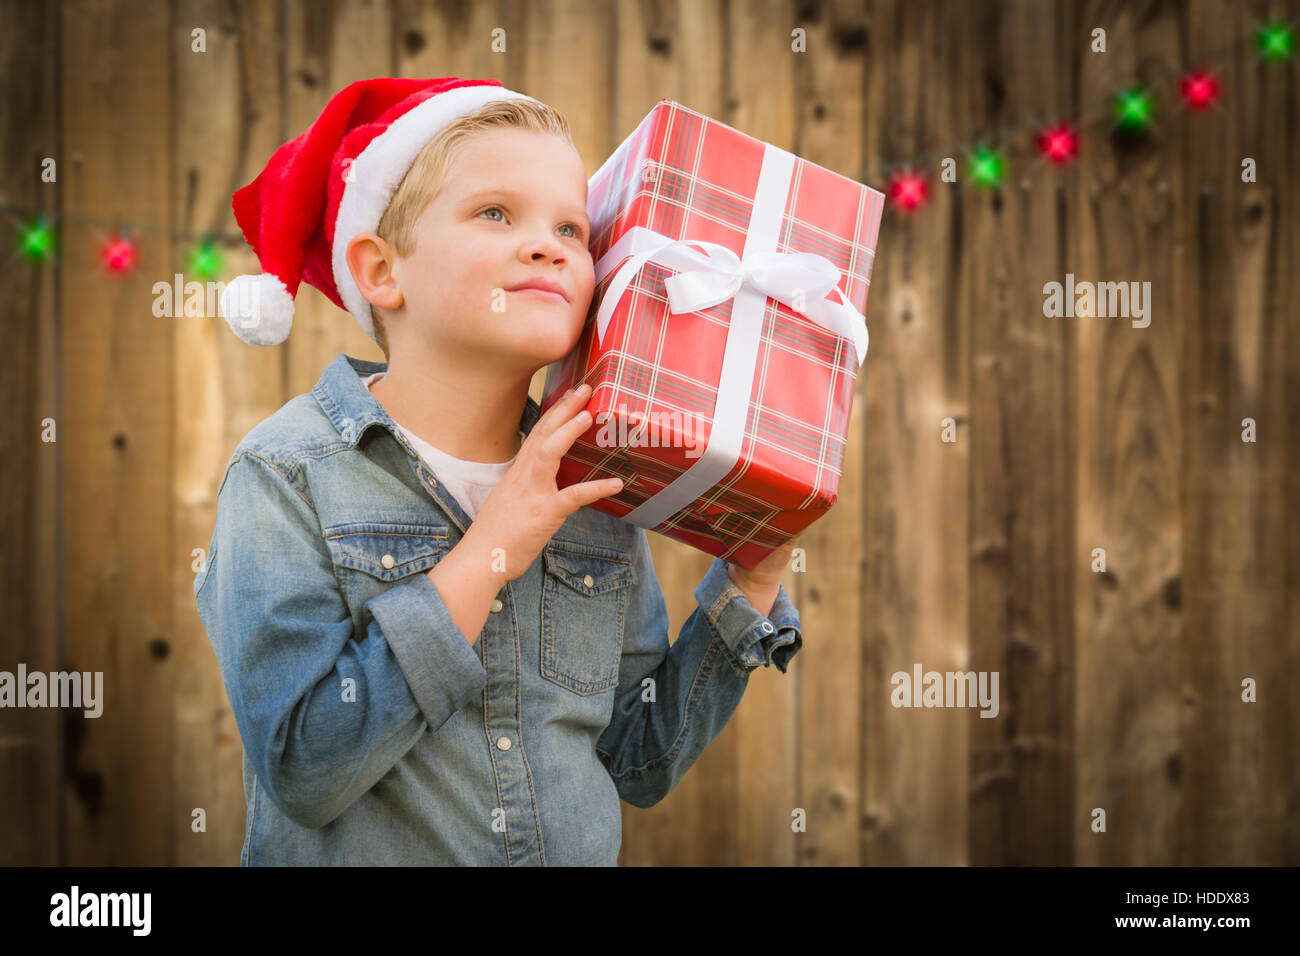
(374, 732)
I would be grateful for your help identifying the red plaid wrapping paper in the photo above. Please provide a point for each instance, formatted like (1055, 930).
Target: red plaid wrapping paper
(685, 176)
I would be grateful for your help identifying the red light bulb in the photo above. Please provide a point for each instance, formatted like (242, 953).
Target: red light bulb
(908, 190)
(1060, 144)
(118, 254)
(1200, 90)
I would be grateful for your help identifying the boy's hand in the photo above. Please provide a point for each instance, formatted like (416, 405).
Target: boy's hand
(762, 582)
(526, 507)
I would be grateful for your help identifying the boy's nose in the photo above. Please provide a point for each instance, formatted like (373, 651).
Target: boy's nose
(543, 249)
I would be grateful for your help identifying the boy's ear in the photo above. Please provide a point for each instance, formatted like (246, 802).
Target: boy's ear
(370, 260)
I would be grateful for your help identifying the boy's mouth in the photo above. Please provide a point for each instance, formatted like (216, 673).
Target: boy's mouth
(542, 288)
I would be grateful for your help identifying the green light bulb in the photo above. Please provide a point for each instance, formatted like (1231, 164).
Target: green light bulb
(986, 167)
(36, 241)
(1276, 42)
(205, 261)
(1133, 109)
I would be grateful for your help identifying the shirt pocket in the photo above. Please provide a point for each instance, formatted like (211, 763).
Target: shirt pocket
(371, 556)
(584, 601)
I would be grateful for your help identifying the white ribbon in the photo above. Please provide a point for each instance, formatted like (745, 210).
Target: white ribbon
(800, 280)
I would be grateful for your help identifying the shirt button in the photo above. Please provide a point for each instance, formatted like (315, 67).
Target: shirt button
(588, 580)
(503, 743)
(767, 627)
(387, 561)
(497, 605)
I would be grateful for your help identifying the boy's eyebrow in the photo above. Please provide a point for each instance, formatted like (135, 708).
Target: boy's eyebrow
(580, 212)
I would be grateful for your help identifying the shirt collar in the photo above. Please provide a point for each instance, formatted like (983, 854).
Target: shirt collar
(353, 409)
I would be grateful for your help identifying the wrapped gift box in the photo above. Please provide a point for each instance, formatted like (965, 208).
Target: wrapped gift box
(725, 334)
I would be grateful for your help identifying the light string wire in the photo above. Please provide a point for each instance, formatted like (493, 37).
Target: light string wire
(127, 229)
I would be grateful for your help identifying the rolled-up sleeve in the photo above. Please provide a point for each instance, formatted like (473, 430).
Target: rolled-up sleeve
(441, 669)
(323, 715)
(754, 640)
(670, 703)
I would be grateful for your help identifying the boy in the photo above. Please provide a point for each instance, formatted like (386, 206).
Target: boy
(433, 655)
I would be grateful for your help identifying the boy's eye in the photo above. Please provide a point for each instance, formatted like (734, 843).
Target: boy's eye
(577, 230)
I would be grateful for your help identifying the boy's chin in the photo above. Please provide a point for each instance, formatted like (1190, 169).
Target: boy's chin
(544, 345)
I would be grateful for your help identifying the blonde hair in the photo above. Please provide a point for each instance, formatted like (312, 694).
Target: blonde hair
(428, 172)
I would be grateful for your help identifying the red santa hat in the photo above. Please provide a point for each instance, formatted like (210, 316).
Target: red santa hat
(330, 183)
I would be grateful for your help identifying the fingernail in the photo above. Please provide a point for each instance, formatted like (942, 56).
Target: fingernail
(583, 387)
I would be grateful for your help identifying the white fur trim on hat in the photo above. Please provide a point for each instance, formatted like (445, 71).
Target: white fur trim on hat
(258, 308)
(378, 170)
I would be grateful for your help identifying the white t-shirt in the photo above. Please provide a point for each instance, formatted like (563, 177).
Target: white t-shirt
(469, 482)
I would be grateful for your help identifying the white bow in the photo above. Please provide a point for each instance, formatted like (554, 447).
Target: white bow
(800, 280)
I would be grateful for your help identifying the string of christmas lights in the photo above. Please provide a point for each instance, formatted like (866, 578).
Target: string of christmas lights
(1056, 140)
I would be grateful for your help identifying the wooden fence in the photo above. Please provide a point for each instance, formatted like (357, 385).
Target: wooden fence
(1119, 690)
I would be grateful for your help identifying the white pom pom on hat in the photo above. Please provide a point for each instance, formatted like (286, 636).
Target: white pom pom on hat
(259, 309)
(330, 183)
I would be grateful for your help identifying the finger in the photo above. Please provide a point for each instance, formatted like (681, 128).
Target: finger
(565, 407)
(562, 438)
(585, 492)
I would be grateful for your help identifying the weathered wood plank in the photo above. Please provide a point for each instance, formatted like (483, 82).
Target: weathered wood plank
(1236, 764)
(1130, 648)
(829, 594)
(117, 459)
(30, 746)
(217, 150)
(1021, 555)
(916, 486)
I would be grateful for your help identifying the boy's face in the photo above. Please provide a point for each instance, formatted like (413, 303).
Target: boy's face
(512, 209)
